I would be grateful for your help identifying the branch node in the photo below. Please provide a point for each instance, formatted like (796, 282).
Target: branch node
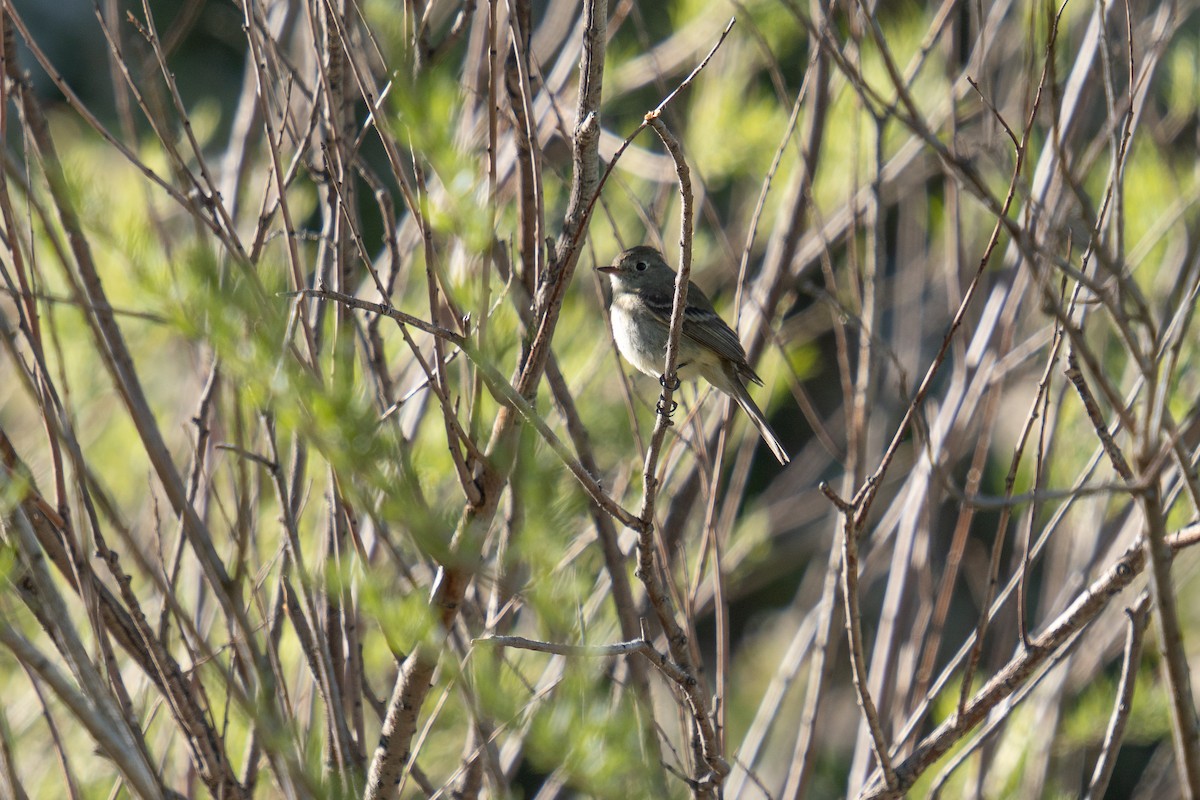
(835, 498)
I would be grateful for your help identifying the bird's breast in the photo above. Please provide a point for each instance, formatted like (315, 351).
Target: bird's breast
(641, 338)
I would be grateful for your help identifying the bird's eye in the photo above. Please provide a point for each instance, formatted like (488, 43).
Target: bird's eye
(640, 266)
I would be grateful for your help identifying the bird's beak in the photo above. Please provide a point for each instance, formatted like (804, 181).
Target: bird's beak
(609, 270)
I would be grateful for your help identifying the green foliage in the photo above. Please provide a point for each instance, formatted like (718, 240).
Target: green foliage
(405, 621)
(311, 422)
(1089, 715)
(597, 744)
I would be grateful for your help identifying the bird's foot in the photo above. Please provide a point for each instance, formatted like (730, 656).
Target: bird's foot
(665, 409)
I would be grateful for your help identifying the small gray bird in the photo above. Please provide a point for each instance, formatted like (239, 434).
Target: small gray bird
(643, 293)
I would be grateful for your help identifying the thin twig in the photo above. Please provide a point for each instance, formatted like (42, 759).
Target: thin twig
(591, 651)
(1082, 611)
(1123, 704)
(714, 769)
(501, 389)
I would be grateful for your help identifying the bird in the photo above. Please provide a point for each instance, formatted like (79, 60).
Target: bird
(643, 294)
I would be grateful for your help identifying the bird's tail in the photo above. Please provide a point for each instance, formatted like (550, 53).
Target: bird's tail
(756, 416)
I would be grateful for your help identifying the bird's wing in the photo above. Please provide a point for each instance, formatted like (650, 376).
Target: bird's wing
(705, 327)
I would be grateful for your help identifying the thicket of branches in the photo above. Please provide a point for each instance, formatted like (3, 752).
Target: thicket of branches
(320, 475)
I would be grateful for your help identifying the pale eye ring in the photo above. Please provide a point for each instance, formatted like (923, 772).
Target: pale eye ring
(640, 266)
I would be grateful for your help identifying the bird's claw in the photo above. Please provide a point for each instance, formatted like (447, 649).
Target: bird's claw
(673, 384)
(665, 409)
